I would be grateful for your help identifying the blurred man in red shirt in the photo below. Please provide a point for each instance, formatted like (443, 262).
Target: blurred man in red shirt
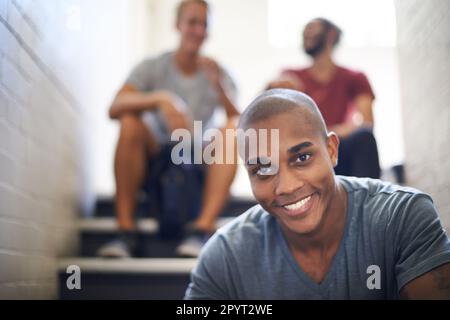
(344, 97)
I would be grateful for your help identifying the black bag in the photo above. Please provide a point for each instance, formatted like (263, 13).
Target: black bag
(177, 191)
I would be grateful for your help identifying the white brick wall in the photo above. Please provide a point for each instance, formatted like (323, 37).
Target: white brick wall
(37, 135)
(51, 77)
(424, 51)
(55, 86)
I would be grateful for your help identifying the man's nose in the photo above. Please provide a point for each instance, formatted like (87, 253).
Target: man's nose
(287, 182)
(200, 28)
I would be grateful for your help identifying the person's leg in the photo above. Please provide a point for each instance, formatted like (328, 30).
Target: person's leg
(219, 178)
(344, 158)
(361, 153)
(365, 159)
(136, 144)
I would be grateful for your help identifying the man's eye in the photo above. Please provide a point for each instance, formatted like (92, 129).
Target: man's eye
(266, 171)
(303, 157)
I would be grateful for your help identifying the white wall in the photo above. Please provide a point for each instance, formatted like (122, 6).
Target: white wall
(123, 38)
(59, 62)
(424, 50)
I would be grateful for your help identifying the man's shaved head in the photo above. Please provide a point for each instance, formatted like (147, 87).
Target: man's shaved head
(299, 164)
(276, 101)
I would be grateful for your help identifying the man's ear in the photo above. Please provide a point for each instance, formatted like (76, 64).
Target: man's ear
(333, 147)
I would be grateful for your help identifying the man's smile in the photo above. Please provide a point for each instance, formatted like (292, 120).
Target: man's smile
(299, 207)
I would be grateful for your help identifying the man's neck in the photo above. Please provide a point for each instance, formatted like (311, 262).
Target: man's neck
(186, 61)
(323, 67)
(330, 232)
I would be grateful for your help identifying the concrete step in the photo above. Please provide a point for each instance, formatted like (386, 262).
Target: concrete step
(94, 232)
(126, 278)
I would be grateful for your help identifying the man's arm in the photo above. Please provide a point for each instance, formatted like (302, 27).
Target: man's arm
(230, 108)
(434, 284)
(215, 76)
(364, 104)
(421, 250)
(362, 98)
(131, 100)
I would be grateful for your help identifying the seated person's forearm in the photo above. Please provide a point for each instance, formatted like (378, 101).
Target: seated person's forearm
(134, 102)
(345, 129)
(230, 109)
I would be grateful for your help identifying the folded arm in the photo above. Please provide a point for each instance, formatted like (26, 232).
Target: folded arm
(363, 105)
(130, 100)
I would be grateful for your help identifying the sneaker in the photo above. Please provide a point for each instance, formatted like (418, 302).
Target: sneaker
(192, 244)
(121, 247)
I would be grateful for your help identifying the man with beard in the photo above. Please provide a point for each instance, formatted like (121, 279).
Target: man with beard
(315, 235)
(344, 97)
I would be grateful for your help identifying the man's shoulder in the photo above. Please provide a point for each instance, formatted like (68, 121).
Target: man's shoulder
(250, 226)
(376, 194)
(297, 71)
(375, 187)
(254, 219)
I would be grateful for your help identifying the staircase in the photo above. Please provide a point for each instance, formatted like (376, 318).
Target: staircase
(155, 273)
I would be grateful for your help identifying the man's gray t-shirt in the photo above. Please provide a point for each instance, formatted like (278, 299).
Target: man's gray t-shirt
(395, 229)
(200, 97)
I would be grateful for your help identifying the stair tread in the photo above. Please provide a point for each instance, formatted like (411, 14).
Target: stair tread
(109, 224)
(143, 198)
(130, 265)
(144, 225)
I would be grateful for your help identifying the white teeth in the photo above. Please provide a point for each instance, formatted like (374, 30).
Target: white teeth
(298, 205)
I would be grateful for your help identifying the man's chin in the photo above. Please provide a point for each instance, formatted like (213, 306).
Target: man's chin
(312, 53)
(194, 47)
(302, 228)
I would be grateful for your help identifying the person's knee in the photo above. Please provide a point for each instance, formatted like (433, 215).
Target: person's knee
(364, 136)
(131, 129)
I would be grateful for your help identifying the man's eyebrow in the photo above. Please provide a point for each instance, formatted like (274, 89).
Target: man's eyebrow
(300, 146)
(258, 160)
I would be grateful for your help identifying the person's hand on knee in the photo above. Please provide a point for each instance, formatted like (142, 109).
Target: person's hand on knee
(173, 110)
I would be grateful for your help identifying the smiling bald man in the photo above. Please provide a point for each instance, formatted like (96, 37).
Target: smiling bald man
(315, 235)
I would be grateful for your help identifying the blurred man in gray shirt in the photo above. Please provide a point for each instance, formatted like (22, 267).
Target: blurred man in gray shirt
(162, 94)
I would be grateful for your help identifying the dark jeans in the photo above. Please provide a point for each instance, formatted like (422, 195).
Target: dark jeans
(175, 192)
(358, 155)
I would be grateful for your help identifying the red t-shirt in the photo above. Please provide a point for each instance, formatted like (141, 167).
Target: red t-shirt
(336, 97)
